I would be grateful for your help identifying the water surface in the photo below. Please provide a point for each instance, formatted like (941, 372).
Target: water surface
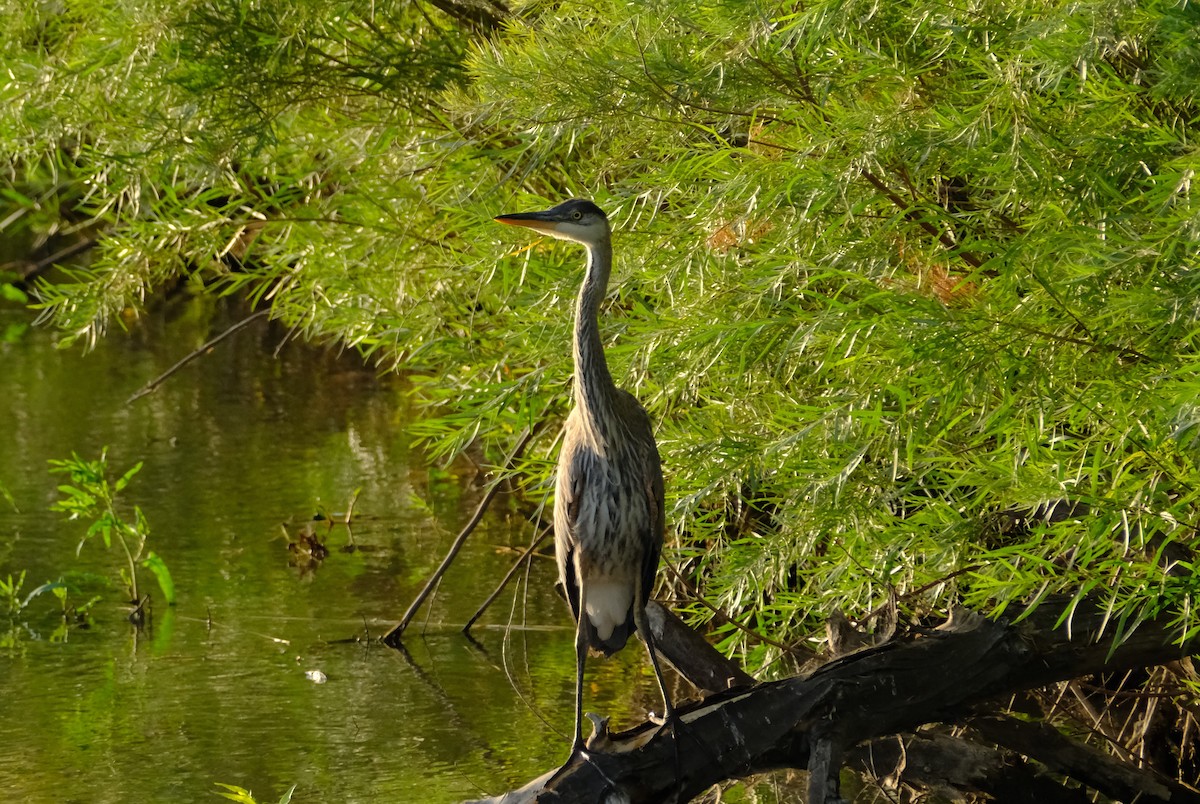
(241, 449)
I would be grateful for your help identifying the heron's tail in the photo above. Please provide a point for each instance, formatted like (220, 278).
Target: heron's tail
(616, 640)
(608, 614)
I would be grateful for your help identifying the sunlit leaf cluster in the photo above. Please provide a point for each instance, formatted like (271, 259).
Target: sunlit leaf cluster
(893, 279)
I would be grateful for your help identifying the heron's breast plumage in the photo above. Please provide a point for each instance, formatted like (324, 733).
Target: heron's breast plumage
(608, 510)
(608, 522)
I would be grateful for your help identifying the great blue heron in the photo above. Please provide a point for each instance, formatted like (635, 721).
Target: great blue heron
(608, 507)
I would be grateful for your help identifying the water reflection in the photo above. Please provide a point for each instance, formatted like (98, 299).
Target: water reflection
(241, 449)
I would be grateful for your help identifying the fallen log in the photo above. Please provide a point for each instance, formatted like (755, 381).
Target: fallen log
(952, 768)
(812, 722)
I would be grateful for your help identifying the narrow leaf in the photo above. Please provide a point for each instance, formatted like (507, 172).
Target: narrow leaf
(156, 565)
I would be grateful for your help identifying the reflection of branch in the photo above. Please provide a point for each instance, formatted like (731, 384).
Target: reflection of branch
(161, 378)
(32, 268)
(392, 638)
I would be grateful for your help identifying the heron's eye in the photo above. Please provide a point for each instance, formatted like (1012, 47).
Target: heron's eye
(576, 214)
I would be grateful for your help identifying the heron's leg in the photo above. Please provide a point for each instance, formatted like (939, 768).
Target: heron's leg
(581, 648)
(643, 627)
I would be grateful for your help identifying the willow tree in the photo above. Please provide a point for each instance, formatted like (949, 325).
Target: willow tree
(909, 288)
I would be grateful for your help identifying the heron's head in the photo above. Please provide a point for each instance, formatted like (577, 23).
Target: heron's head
(578, 220)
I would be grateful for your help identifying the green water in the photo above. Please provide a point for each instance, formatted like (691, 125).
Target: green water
(240, 448)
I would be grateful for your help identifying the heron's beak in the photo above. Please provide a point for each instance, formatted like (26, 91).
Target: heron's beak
(538, 221)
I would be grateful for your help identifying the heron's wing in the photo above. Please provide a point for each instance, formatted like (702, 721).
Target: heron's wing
(648, 467)
(569, 486)
(655, 505)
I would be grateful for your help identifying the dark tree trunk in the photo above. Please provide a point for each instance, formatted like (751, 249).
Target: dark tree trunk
(857, 703)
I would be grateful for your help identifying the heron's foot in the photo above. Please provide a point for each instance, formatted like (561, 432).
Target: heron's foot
(596, 743)
(581, 754)
(577, 755)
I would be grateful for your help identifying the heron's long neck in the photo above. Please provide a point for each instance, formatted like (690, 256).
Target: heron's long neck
(593, 384)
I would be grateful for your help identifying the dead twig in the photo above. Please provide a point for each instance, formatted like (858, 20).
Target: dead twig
(393, 637)
(535, 544)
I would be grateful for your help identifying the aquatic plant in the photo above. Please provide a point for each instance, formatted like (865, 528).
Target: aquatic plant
(90, 495)
(244, 796)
